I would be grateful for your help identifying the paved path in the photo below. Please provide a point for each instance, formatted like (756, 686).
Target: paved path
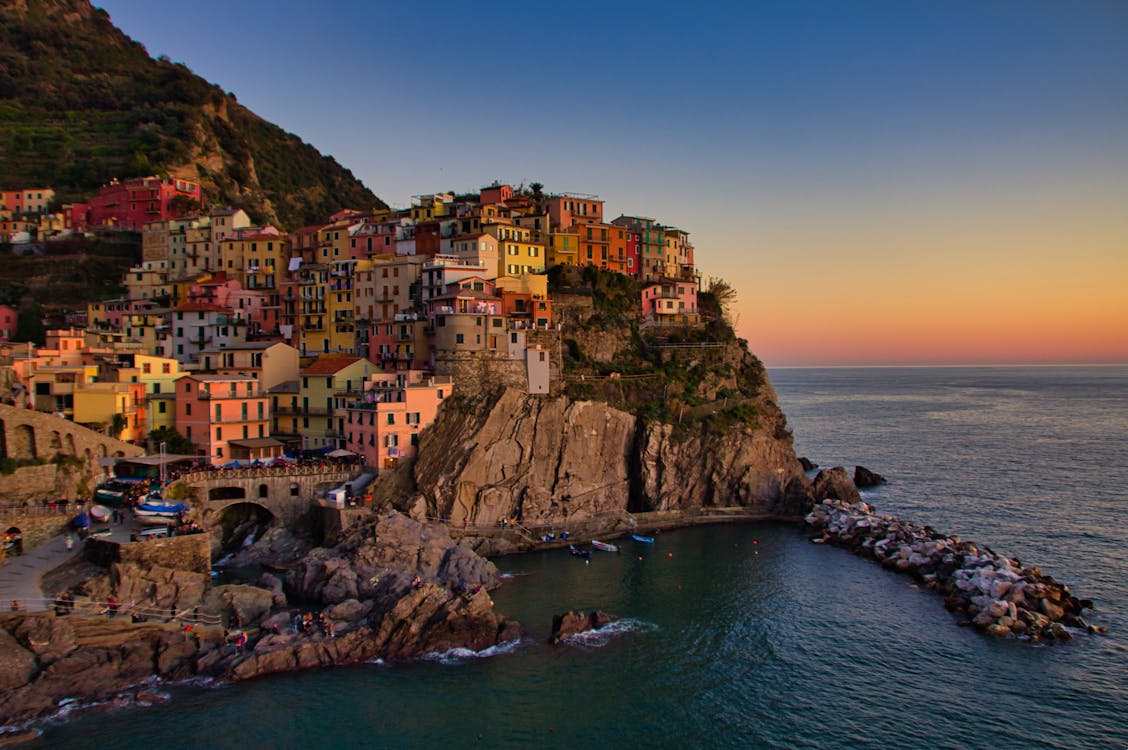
(20, 576)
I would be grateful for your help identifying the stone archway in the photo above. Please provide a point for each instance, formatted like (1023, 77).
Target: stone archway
(55, 441)
(242, 523)
(231, 492)
(68, 444)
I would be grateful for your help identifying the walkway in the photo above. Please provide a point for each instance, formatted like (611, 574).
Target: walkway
(19, 576)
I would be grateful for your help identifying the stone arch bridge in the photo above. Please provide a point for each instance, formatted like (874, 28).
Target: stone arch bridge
(285, 491)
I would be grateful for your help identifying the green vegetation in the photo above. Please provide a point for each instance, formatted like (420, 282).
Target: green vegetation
(80, 103)
(69, 273)
(175, 443)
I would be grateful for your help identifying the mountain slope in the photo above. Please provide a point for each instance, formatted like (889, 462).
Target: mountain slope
(81, 102)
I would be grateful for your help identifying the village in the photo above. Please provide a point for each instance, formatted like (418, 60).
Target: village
(252, 343)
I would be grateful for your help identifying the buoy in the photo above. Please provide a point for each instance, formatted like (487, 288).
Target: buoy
(640, 557)
(669, 554)
(755, 542)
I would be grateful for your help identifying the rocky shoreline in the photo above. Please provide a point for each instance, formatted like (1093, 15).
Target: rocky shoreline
(996, 594)
(393, 589)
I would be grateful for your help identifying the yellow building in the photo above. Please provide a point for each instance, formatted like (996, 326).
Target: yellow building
(330, 384)
(564, 248)
(313, 284)
(517, 252)
(428, 207)
(97, 404)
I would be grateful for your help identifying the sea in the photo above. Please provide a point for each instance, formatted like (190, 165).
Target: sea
(749, 636)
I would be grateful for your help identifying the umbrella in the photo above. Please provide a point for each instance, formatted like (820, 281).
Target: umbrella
(340, 453)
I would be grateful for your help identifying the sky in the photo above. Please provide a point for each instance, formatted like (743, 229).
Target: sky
(883, 182)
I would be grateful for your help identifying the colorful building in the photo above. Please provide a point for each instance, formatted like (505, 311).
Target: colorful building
(329, 383)
(27, 200)
(384, 427)
(224, 416)
(670, 302)
(133, 203)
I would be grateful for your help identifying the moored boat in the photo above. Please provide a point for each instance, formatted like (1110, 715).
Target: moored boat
(604, 546)
(157, 512)
(643, 539)
(577, 552)
(100, 513)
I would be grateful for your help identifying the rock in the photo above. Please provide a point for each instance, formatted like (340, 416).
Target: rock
(1051, 610)
(349, 610)
(250, 603)
(570, 623)
(863, 477)
(835, 483)
(17, 664)
(273, 584)
(807, 464)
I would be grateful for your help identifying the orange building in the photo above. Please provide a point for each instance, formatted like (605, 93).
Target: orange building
(227, 417)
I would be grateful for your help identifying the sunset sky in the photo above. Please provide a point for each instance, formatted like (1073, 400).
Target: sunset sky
(883, 182)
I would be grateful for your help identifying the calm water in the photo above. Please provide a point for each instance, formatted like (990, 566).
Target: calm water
(751, 636)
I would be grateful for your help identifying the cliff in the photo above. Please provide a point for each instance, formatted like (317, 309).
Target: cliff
(556, 461)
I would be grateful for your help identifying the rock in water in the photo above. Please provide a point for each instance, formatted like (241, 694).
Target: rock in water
(835, 483)
(570, 623)
(807, 464)
(863, 477)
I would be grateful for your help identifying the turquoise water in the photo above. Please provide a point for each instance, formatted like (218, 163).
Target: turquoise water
(750, 636)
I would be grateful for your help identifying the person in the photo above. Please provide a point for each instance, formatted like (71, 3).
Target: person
(241, 642)
(69, 542)
(329, 628)
(112, 607)
(15, 605)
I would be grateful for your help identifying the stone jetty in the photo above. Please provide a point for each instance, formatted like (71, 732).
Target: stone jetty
(994, 593)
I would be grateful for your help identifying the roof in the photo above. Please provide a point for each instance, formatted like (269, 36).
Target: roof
(256, 443)
(208, 377)
(329, 365)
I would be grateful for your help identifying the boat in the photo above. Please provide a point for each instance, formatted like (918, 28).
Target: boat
(577, 552)
(604, 546)
(152, 512)
(643, 539)
(100, 513)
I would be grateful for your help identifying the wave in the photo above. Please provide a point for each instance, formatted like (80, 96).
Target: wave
(459, 655)
(600, 637)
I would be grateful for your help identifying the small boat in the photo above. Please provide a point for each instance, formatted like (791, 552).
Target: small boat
(100, 513)
(577, 552)
(156, 512)
(643, 539)
(604, 546)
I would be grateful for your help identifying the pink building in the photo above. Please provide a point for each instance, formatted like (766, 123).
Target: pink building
(133, 203)
(9, 319)
(670, 302)
(386, 428)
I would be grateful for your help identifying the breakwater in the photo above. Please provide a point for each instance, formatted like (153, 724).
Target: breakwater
(995, 593)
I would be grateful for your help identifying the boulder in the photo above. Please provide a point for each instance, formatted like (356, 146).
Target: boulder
(17, 664)
(863, 477)
(807, 464)
(835, 483)
(571, 623)
(250, 603)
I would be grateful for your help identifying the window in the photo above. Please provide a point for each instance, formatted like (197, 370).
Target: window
(391, 418)
(161, 407)
(188, 409)
(459, 338)
(219, 433)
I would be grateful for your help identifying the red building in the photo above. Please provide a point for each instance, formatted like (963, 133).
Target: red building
(130, 204)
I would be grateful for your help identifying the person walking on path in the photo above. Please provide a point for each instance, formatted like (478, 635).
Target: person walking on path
(69, 542)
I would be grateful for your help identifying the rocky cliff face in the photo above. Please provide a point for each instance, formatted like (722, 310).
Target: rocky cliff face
(548, 460)
(393, 589)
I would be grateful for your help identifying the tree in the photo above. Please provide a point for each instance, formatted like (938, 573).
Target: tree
(183, 205)
(175, 443)
(538, 193)
(724, 294)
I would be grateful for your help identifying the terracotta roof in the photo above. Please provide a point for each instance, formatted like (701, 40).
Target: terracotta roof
(329, 365)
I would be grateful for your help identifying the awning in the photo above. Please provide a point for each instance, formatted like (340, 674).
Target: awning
(256, 443)
(340, 453)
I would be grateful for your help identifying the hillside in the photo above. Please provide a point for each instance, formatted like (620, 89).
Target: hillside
(81, 102)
